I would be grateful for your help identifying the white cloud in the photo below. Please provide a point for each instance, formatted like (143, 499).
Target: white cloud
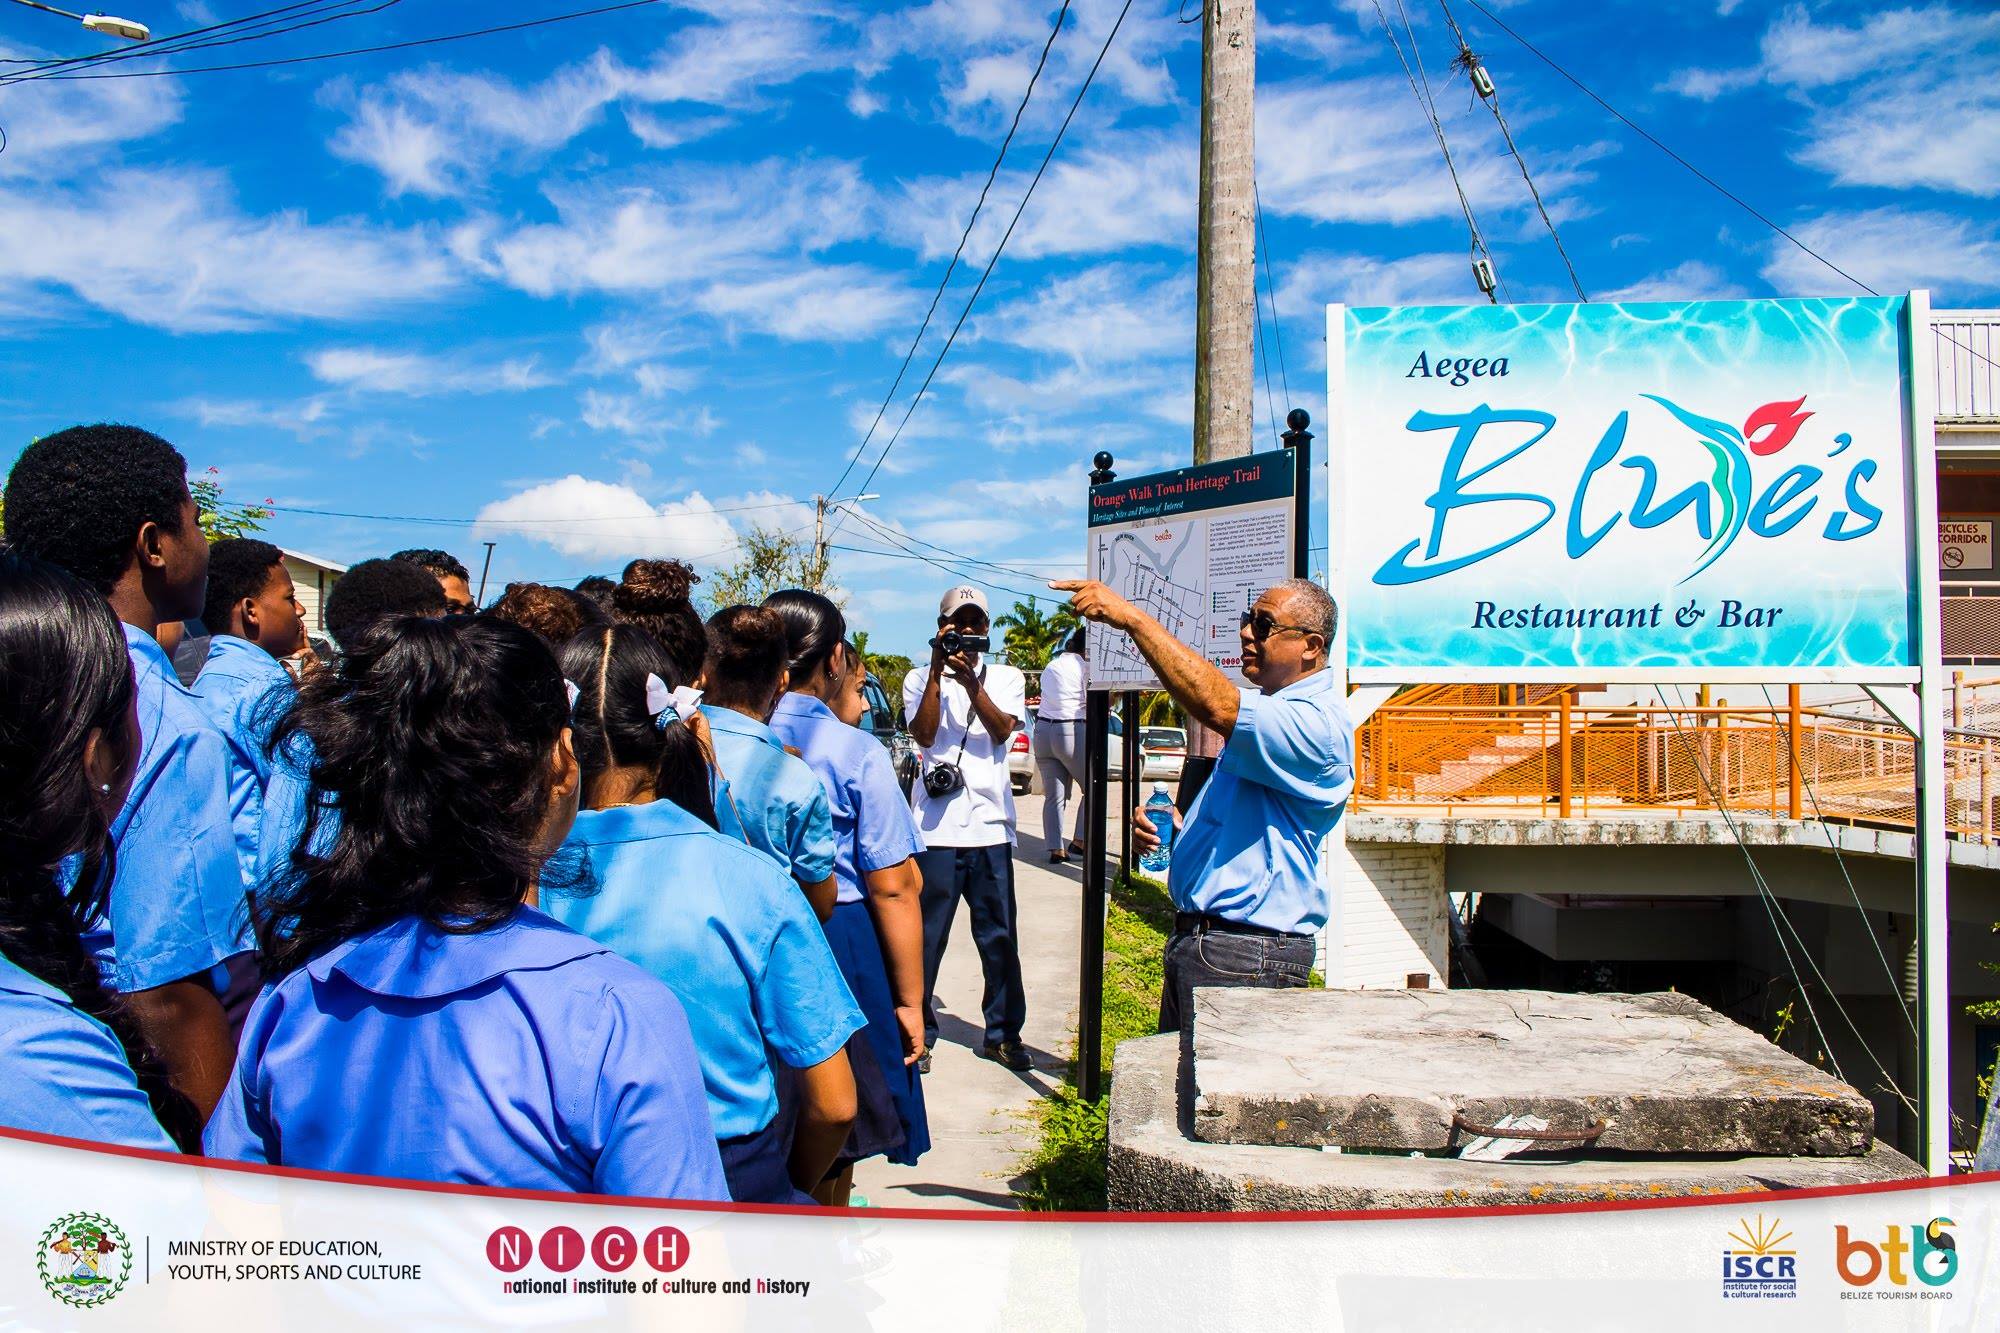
(60, 129)
(1314, 281)
(1693, 280)
(419, 374)
(862, 103)
(658, 132)
(1320, 41)
(601, 520)
(1890, 249)
(169, 249)
(820, 303)
(305, 419)
(1105, 315)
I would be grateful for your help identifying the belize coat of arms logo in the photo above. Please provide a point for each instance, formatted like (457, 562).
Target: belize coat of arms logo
(84, 1259)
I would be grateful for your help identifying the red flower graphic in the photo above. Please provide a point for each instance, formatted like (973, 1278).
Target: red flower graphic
(1780, 422)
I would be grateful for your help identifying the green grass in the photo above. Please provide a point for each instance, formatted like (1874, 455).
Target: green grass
(1065, 1170)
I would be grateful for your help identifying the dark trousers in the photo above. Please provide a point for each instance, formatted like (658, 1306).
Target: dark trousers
(1209, 956)
(984, 877)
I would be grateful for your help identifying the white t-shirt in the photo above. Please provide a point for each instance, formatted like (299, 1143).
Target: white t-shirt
(981, 813)
(1063, 682)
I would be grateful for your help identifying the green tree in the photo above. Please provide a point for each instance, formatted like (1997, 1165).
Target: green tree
(890, 668)
(860, 639)
(771, 560)
(1032, 637)
(219, 519)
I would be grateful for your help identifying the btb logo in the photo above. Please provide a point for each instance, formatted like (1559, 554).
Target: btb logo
(83, 1259)
(1930, 1254)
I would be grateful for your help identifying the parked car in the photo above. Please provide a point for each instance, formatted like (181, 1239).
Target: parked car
(1163, 753)
(1021, 753)
(881, 721)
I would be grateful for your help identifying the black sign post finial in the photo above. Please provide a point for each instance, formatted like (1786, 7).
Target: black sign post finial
(1101, 468)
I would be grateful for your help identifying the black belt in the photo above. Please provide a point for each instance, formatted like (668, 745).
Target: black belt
(1201, 923)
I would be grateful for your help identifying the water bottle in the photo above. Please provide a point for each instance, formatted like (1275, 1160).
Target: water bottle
(1160, 813)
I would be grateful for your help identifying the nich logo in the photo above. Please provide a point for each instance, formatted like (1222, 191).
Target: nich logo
(1756, 1266)
(1930, 1255)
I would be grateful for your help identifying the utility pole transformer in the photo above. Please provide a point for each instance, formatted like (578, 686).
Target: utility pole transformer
(1225, 317)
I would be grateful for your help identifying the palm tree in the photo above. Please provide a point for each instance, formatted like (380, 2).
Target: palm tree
(1033, 638)
(860, 638)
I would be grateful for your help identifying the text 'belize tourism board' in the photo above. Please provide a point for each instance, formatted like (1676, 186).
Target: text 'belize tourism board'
(1700, 484)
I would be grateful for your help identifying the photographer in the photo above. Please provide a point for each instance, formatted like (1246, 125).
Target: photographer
(963, 712)
(1245, 872)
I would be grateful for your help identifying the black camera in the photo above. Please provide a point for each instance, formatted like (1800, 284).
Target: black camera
(941, 780)
(955, 641)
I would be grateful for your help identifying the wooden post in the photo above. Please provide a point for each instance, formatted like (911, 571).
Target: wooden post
(1797, 805)
(1562, 756)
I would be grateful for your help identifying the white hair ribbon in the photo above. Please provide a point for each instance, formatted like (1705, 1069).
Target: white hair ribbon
(667, 706)
(569, 688)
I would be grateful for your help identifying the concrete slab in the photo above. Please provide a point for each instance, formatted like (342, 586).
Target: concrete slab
(1392, 1068)
(1155, 1165)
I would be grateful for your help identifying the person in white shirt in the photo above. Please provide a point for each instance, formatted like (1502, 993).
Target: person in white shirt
(1059, 743)
(964, 709)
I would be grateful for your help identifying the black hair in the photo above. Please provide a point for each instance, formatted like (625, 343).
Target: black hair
(609, 666)
(238, 568)
(655, 596)
(814, 627)
(376, 589)
(441, 564)
(747, 653)
(1074, 644)
(429, 748)
(67, 674)
(600, 590)
(78, 498)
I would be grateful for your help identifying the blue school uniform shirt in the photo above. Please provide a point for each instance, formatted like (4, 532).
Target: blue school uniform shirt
(728, 930)
(521, 1057)
(872, 827)
(1249, 847)
(63, 1072)
(782, 806)
(177, 900)
(282, 821)
(242, 689)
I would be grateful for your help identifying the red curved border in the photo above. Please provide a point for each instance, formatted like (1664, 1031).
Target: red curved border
(995, 1215)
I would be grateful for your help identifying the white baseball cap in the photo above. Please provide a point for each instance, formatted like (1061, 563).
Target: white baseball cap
(964, 595)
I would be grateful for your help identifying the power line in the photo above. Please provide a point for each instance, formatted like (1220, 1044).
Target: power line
(1428, 105)
(1001, 248)
(169, 42)
(439, 521)
(960, 556)
(352, 51)
(951, 268)
(1271, 287)
(1482, 84)
(252, 27)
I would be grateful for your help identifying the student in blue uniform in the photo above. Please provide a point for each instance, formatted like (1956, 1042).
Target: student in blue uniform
(110, 505)
(253, 619)
(711, 916)
(373, 590)
(423, 1019)
(877, 928)
(783, 808)
(72, 1060)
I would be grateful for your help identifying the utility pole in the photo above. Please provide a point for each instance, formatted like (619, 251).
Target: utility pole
(1225, 281)
(817, 570)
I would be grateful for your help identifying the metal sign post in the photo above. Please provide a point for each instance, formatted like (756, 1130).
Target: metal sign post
(1090, 970)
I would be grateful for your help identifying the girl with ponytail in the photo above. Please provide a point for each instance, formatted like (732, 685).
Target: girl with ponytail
(72, 1060)
(877, 927)
(422, 1018)
(718, 921)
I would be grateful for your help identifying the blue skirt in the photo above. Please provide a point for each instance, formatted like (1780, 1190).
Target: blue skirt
(757, 1169)
(889, 1119)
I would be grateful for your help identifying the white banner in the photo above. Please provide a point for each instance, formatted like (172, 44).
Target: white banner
(117, 1240)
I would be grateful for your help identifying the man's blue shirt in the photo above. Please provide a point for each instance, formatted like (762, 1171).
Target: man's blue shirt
(177, 902)
(243, 689)
(1249, 847)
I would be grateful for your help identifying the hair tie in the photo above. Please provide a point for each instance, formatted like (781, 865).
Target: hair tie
(570, 689)
(666, 706)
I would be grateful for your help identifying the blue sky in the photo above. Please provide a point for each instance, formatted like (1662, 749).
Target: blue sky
(626, 285)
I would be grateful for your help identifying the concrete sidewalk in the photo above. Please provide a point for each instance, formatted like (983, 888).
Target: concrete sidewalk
(979, 1126)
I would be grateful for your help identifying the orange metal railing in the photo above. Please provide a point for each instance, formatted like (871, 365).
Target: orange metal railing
(1562, 758)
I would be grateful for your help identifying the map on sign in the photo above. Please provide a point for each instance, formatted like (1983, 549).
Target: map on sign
(1192, 548)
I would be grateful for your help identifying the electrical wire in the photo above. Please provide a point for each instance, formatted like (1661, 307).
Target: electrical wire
(960, 556)
(352, 51)
(1001, 248)
(252, 27)
(1264, 351)
(1478, 248)
(438, 521)
(1271, 287)
(168, 42)
(951, 268)
(1469, 62)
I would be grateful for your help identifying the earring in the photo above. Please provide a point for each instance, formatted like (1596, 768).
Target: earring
(104, 787)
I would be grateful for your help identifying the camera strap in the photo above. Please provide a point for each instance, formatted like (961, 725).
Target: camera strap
(971, 715)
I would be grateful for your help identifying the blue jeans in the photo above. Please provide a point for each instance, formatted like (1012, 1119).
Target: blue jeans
(984, 877)
(1207, 956)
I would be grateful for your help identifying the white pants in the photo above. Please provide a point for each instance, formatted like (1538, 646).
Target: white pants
(1059, 759)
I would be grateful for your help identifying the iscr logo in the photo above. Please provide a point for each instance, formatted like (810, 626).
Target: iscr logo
(1930, 1254)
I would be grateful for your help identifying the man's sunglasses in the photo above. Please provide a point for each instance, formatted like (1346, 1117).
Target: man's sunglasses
(1262, 625)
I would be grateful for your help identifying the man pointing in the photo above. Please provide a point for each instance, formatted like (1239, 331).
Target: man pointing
(1245, 873)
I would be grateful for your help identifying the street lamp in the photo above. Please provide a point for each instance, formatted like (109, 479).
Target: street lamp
(109, 24)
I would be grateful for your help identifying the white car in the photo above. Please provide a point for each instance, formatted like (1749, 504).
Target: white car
(1163, 753)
